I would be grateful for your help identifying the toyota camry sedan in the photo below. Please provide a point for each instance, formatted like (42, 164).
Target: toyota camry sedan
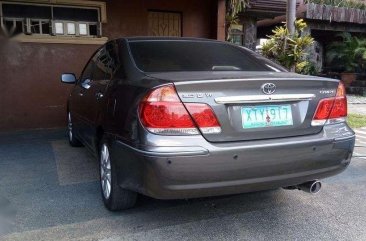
(175, 118)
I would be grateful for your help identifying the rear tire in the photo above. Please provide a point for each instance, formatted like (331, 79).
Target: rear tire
(114, 197)
(73, 141)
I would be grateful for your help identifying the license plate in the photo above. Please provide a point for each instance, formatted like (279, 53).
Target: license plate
(266, 116)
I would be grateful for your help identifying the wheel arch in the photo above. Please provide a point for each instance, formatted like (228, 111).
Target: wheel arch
(98, 137)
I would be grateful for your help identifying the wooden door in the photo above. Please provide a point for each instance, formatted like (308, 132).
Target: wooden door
(165, 24)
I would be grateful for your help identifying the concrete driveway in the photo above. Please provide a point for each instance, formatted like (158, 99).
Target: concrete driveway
(49, 191)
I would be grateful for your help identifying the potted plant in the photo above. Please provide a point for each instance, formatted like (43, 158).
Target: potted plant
(350, 54)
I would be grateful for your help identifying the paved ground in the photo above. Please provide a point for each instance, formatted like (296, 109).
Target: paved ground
(356, 104)
(356, 99)
(360, 150)
(357, 108)
(360, 147)
(48, 191)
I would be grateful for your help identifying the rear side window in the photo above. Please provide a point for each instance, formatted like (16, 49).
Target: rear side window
(176, 55)
(99, 70)
(87, 73)
(105, 62)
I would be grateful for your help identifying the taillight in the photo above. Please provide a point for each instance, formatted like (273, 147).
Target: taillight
(162, 112)
(331, 110)
(204, 117)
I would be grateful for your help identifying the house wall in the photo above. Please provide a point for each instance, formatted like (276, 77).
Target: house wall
(32, 95)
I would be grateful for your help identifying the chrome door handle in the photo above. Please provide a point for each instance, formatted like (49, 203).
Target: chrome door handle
(81, 93)
(86, 84)
(99, 95)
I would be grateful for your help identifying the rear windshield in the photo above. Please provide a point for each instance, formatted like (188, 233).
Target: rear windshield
(169, 56)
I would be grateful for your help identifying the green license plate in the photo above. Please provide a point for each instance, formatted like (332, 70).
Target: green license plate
(266, 116)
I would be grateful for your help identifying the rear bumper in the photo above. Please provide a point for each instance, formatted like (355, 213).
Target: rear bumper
(175, 172)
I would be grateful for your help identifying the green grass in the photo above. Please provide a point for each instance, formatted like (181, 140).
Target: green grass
(356, 120)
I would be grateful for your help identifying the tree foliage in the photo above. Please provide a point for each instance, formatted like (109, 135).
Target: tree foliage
(289, 50)
(350, 52)
(233, 9)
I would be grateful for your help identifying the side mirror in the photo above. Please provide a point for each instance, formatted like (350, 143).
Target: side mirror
(68, 78)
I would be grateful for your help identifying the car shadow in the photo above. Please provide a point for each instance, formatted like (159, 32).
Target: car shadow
(207, 207)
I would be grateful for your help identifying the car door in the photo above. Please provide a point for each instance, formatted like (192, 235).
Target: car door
(118, 92)
(104, 66)
(77, 102)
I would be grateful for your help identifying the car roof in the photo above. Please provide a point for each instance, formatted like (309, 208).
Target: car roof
(150, 38)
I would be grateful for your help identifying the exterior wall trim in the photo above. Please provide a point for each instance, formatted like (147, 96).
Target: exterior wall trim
(59, 40)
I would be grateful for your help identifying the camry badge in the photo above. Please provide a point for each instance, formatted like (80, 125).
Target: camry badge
(268, 88)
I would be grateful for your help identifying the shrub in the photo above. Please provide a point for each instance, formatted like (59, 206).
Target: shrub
(350, 53)
(289, 50)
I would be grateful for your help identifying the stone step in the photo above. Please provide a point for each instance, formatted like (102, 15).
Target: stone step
(356, 90)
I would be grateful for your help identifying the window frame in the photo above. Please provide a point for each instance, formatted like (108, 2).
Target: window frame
(40, 26)
(77, 28)
(52, 37)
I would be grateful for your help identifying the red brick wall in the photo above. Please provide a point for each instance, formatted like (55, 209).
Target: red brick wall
(31, 93)
(130, 17)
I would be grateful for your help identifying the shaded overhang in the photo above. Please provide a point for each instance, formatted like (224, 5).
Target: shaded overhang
(264, 9)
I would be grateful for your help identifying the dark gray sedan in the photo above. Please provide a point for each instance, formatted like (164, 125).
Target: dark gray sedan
(178, 118)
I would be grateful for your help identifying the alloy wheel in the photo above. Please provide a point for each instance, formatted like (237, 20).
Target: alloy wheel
(105, 172)
(69, 126)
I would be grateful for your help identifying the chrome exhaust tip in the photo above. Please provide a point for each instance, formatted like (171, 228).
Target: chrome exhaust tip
(310, 187)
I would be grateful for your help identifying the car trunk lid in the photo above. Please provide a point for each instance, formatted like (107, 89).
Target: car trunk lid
(244, 111)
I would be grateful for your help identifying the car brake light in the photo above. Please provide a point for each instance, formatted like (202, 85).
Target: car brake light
(204, 117)
(162, 112)
(331, 110)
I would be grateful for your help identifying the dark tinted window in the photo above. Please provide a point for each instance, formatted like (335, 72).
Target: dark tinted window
(166, 56)
(99, 67)
(106, 62)
(113, 55)
(87, 73)
(98, 73)
(26, 11)
(75, 14)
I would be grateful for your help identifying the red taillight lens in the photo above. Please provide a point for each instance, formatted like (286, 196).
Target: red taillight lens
(162, 112)
(204, 117)
(340, 103)
(324, 108)
(165, 115)
(331, 110)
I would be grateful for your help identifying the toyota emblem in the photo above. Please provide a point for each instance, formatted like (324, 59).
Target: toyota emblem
(268, 88)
